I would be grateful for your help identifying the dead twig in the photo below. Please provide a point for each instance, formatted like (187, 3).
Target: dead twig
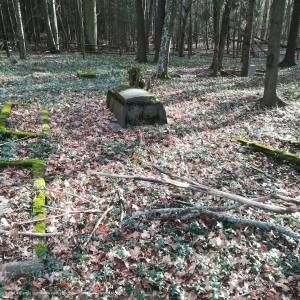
(29, 233)
(97, 225)
(58, 216)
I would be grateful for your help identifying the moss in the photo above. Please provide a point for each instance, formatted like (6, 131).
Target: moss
(89, 74)
(4, 114)
(284, 155)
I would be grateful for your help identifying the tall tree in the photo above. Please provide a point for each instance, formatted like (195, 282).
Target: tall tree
(20, 30)
(53, 22)
(224, 30)
(270, 97)
(164, 53)
(90, 24)
(159, 24)
(247, 38)
(185, 10)
(141, 55)
(289, 58)
(81, 27)
(51, 41)
(217, 9)
(4, 32)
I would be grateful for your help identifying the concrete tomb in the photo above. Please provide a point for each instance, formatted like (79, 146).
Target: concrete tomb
(134, 107)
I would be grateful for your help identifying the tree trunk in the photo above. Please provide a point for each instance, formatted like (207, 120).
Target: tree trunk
(224, 31)
(159, 27)
(141, 55)
(276, 20)
(90, 24)
(4, 32)
(81, 27)
(247, 38)
(217, 8)
(164, 53)
(54, 23)
(51, 41)
(186, 8)
(289, 58)
(20, 30)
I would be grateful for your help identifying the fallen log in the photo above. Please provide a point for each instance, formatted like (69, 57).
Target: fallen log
(284, 155)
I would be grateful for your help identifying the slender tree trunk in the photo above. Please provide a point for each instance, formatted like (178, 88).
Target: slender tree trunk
(164, 53)
(51, 41)
(289, 58)
(4, 32)
(276, 20)
(264, 31)
(224, 31)
(81, 27)
(90, 24)
(54, 23)
(247, 38)
(20, 30)
(186, 8)
(159, 27)
(141, 55)
(217, 8)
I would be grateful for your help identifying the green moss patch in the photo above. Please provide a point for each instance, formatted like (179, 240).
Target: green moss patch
(38, 204)
(4, 115)
(284, 155)
(89, 74)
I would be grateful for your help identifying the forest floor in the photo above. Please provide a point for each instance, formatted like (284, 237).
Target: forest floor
(149, 259)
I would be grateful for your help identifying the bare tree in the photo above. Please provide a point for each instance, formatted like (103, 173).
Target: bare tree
(289, 58)
(90, 24)
(217, 9)
(247, 38)
(141, 55)
(270, 97)
(164, 53)
(159, 24)
(20, 30)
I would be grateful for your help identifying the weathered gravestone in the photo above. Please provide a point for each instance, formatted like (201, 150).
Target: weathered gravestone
(134, 107)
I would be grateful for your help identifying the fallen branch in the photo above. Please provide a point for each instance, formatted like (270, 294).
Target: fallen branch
(198, 211)
(57, 216)
(29, 233)
(195, 186)
(97, 225)
(200, 187)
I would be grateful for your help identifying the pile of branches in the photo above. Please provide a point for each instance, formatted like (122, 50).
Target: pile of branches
(193, 211)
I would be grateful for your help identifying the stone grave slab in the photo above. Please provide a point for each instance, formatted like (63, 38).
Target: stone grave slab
(133, 107)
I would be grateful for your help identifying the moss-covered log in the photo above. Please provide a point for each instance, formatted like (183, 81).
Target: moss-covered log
(89, 74)
(284, 155)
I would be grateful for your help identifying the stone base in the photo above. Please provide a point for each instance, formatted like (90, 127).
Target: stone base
(133, 107)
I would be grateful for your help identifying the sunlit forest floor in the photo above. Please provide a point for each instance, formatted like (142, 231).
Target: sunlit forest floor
(201, 259)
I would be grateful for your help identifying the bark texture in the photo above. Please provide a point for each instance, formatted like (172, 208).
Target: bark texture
(247, 38)
(276, 20)
(90, 24)
(20, 30)
(141, 55)
(164, 54)
(289, 58)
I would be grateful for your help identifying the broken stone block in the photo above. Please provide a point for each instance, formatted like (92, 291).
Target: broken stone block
(134, 107)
